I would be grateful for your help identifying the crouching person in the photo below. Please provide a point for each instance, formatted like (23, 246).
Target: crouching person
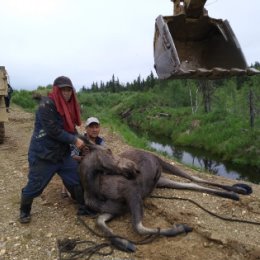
(49, 151)
(92, 131)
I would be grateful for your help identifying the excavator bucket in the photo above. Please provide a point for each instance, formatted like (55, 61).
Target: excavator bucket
(197, 48)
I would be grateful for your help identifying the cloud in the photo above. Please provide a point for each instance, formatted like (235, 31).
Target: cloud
(91, 40)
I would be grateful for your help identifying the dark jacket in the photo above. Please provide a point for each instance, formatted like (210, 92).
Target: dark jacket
(9, 91)
(49, 140)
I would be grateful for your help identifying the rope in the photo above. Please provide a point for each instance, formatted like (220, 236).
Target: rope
(206, 210)
(68, 251)
(145, 240)
(68, 248)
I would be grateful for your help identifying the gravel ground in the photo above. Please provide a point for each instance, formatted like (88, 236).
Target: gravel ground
(53, 218)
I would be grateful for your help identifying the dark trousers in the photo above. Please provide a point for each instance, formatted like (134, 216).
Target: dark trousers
(7, 101)
(41, 173)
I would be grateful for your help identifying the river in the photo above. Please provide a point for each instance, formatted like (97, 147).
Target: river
(206, 162)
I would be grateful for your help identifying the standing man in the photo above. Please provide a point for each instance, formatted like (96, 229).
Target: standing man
(8, 97)
(49, 151)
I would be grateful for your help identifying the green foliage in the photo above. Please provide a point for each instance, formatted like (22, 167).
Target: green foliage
(23, 98)
(44, 91)
(176, 109)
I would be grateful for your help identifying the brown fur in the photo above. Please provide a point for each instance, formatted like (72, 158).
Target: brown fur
(115, 184)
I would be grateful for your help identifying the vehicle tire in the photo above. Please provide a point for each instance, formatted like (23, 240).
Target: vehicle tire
(2, 132)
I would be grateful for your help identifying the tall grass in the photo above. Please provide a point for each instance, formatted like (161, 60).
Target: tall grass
(23, 98)
(224, 131)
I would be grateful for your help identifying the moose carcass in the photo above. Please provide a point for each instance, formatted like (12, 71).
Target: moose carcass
(114, 185)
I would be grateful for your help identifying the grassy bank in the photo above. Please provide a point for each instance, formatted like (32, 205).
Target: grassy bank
(227, 135)
(175, 110)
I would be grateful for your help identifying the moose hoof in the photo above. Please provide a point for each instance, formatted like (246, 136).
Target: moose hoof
(242, 188)
(185, 228)
(177, 230)
(123, 244)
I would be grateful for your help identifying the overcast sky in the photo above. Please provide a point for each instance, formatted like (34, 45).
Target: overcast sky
(91, 40)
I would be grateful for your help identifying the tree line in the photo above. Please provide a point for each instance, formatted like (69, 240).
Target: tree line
(194, 93)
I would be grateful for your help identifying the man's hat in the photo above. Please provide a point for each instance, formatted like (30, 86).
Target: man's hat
(91, 120)
(62, 82)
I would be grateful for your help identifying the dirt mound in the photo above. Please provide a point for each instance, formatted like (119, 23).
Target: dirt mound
(54, 218)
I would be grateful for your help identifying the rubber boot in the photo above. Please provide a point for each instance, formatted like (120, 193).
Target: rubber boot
(83, 210)
(25, 210)
(64, 192)
(70, 189)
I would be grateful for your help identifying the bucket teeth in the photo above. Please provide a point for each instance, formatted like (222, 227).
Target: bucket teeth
(201, 48)
(215, 73)
(252, 71)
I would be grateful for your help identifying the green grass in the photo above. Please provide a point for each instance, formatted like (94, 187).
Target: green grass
(225, 131)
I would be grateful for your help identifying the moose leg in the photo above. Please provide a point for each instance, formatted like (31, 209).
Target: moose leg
(167, 183)
(170, 232)
(135, 203)
(101, 222)
(239, 188)
(119, 242)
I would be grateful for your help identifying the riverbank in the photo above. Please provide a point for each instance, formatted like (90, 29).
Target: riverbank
(228, 138)
(204, 161)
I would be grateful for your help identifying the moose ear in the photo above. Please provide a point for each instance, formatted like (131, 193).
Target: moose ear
(90, 145)
(85, 139)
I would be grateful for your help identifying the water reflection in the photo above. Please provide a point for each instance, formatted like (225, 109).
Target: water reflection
(197, 158)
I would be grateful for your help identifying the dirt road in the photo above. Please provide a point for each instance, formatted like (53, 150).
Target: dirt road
(54, 218)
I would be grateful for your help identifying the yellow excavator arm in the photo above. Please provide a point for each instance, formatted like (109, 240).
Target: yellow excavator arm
(190, 44)
(191, 8)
